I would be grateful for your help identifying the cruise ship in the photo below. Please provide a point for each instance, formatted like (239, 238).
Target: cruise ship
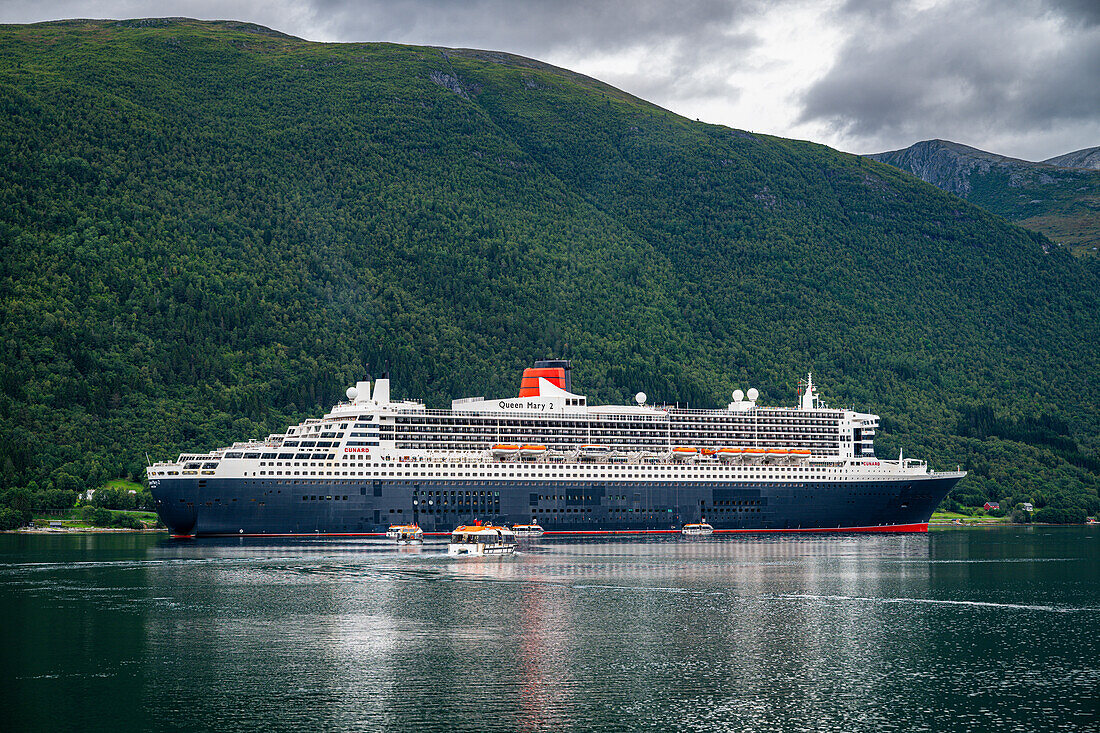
(550, 458)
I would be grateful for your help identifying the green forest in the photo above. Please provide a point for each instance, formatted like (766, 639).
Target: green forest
(211, 229)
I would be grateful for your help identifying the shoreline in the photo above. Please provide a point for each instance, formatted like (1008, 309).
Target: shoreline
(80, 530)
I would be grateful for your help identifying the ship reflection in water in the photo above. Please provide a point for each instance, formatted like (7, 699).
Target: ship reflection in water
(949, 631)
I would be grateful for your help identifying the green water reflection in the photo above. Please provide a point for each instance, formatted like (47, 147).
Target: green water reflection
(960, 630)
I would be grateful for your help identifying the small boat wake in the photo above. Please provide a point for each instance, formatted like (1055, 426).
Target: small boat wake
(938, 602)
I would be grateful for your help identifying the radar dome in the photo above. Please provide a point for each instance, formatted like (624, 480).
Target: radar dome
(640, 398)
(738, 395)
(352, 393)
(753, 394)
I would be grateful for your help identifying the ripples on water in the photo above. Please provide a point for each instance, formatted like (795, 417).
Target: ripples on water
(963, 630)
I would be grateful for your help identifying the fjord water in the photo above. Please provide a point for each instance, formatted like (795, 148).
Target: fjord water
(969, 630)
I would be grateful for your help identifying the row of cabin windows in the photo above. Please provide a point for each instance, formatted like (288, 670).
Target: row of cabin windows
(605, 430)
(792, 418)
(772, 470)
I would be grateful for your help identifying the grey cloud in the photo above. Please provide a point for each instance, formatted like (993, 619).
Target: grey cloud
(1086, 12)
(534, 25)
(689, 36)
(977, 69)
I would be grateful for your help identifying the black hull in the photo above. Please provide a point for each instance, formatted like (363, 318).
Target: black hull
(218, 507)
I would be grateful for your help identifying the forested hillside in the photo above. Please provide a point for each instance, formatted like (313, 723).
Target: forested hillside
(210, 229)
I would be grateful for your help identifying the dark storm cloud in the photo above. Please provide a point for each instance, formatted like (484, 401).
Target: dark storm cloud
(976, 68)
(1086, 12)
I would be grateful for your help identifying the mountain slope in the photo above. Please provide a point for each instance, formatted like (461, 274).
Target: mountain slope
(1085, 158)
(1059, 197)
(209, 229)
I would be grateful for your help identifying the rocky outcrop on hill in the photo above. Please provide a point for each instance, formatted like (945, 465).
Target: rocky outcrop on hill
(1087, 158)
(952, 166)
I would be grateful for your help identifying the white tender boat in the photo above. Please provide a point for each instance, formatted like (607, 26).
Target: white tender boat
(699, 529)
(481, 540)
(527, 530)
(405, 534)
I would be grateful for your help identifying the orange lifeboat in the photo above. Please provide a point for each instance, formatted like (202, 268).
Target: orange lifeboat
(683, 452)
(728, 454)
(505, 450)
(754, 454)
(532, 451)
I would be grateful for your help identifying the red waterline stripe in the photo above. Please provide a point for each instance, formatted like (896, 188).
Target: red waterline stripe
(919, 527)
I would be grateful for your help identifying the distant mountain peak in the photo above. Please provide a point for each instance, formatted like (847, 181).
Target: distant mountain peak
(1084, 158)
(1053, 197)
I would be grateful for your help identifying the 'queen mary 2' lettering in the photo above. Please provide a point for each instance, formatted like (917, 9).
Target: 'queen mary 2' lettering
(532, 406)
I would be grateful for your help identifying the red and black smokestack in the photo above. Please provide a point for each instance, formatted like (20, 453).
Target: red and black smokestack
(556, 371)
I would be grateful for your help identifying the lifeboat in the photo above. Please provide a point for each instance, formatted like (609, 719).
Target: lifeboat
(800, 452)
(527, 530)
(698, 529)
(481, 540)
(593, 451)
(775, 455)
(532, 451)
(753, 454)
(682, 453)
(505, 450)
(729, 454)
(708, 451)
(405, 534)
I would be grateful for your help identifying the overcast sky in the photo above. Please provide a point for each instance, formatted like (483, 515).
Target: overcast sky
(1016, 77)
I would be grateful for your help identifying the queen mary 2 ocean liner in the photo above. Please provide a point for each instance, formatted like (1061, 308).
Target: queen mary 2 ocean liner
(549, 457)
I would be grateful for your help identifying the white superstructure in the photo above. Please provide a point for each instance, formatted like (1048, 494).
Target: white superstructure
(371, 435)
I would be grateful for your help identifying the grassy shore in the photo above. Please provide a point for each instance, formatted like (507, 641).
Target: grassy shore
(75, 521)
(124, 485)
(947, 520)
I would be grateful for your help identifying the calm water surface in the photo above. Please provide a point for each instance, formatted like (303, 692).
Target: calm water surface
(971, 630)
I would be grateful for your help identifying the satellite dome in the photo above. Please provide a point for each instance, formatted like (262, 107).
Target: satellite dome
(352, 393)
(640, 398)
(738, 395)
(753, 394)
